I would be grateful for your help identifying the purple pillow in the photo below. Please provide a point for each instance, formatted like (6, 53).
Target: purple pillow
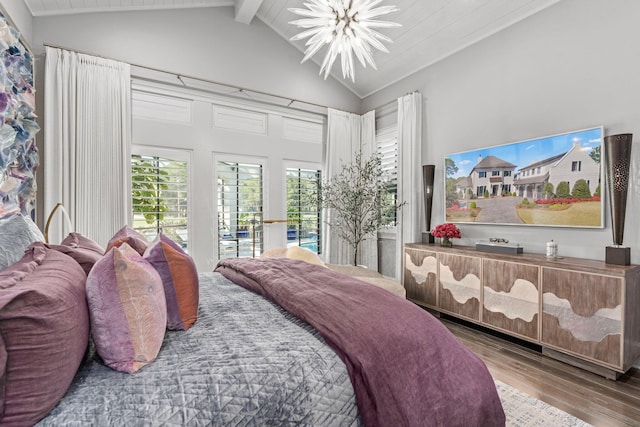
(127, 309)
(44, 332)
(180, 280)
(84, 250)
(130, 236)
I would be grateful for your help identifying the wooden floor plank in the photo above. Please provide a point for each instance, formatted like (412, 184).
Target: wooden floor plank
(590, 397)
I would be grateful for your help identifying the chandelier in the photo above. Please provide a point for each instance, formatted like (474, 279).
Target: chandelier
(348, 27)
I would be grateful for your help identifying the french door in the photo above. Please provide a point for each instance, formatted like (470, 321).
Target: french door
(240, 207)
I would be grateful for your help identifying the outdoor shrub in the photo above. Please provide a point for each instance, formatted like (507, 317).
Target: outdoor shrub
(562, 191)
(581, 189)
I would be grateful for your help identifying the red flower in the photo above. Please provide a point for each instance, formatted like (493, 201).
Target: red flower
(446, 230)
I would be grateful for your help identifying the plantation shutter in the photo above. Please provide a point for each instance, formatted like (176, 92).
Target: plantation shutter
(303, 213)
(387, 149)
(159, 193)
(240, 209)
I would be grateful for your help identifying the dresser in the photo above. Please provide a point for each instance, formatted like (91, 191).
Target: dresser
(583, 312)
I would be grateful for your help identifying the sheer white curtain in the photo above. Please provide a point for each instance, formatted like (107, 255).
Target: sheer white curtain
(369, 248)
(347, 134)
(87, 127)
(409, 173)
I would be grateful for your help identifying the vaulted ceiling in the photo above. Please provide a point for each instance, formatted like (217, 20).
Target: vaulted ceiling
(431, 29)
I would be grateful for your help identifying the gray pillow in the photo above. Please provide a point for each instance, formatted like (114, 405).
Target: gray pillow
(17, 232)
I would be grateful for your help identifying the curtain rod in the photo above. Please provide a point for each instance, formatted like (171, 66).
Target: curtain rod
(386, 104)
(180, 76)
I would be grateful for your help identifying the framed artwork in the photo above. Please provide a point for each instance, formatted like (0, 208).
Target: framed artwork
(18, 127)
(554, 181)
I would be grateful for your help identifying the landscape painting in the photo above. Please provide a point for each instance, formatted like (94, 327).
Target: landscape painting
(554, 181)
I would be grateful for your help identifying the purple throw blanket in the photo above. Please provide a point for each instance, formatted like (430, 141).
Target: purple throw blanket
(407, 369)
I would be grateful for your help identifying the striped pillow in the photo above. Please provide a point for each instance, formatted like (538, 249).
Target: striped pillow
(127, 309)
(180, 280)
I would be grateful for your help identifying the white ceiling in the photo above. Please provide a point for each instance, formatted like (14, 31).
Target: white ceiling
(431, 29)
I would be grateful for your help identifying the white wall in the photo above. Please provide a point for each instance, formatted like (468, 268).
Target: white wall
(19, 14)
(202, 42)
(572, 66)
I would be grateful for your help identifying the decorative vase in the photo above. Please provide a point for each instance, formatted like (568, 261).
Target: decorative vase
(618, 159)
(446, 242)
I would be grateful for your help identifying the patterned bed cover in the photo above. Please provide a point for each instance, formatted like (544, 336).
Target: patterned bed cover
(407, 368)
(246, 362)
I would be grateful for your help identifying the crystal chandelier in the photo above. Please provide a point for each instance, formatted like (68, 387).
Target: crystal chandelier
(347, 26)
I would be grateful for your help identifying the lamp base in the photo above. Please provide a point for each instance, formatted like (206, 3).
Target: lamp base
(427, 237)
(617, 255)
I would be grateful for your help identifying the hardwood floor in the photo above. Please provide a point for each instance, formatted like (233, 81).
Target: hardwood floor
(590, 397)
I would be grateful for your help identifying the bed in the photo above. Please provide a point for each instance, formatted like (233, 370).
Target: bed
(273, 342)
(245, 362)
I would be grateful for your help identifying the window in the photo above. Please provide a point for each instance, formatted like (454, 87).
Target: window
(240, 208)
(482, 174)
(303, 213)
(387, 150)
(576, 166)
(495, 173)
(506, 173)
(159, 195)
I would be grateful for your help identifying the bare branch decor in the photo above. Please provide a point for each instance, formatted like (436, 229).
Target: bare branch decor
(358, 197)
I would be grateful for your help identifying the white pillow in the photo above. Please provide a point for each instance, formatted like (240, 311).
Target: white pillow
(303, 254)
(17, 232)
(294, 252)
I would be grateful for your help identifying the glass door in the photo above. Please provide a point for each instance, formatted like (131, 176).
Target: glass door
(240, 209)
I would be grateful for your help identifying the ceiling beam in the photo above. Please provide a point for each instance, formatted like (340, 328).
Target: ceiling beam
(246, 10)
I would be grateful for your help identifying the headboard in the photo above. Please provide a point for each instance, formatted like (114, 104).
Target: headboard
(18, 152)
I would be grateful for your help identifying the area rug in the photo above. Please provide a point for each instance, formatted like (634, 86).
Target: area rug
(523, 410)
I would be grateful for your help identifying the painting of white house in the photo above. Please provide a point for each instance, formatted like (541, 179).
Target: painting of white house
(550, 181)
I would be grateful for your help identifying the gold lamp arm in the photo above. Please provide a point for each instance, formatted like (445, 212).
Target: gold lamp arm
(53, 211)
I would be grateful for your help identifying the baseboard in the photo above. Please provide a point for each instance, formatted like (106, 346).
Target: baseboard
(582, 364)
(515, 340)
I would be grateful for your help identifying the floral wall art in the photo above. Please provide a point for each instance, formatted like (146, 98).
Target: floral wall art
(18, 152)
